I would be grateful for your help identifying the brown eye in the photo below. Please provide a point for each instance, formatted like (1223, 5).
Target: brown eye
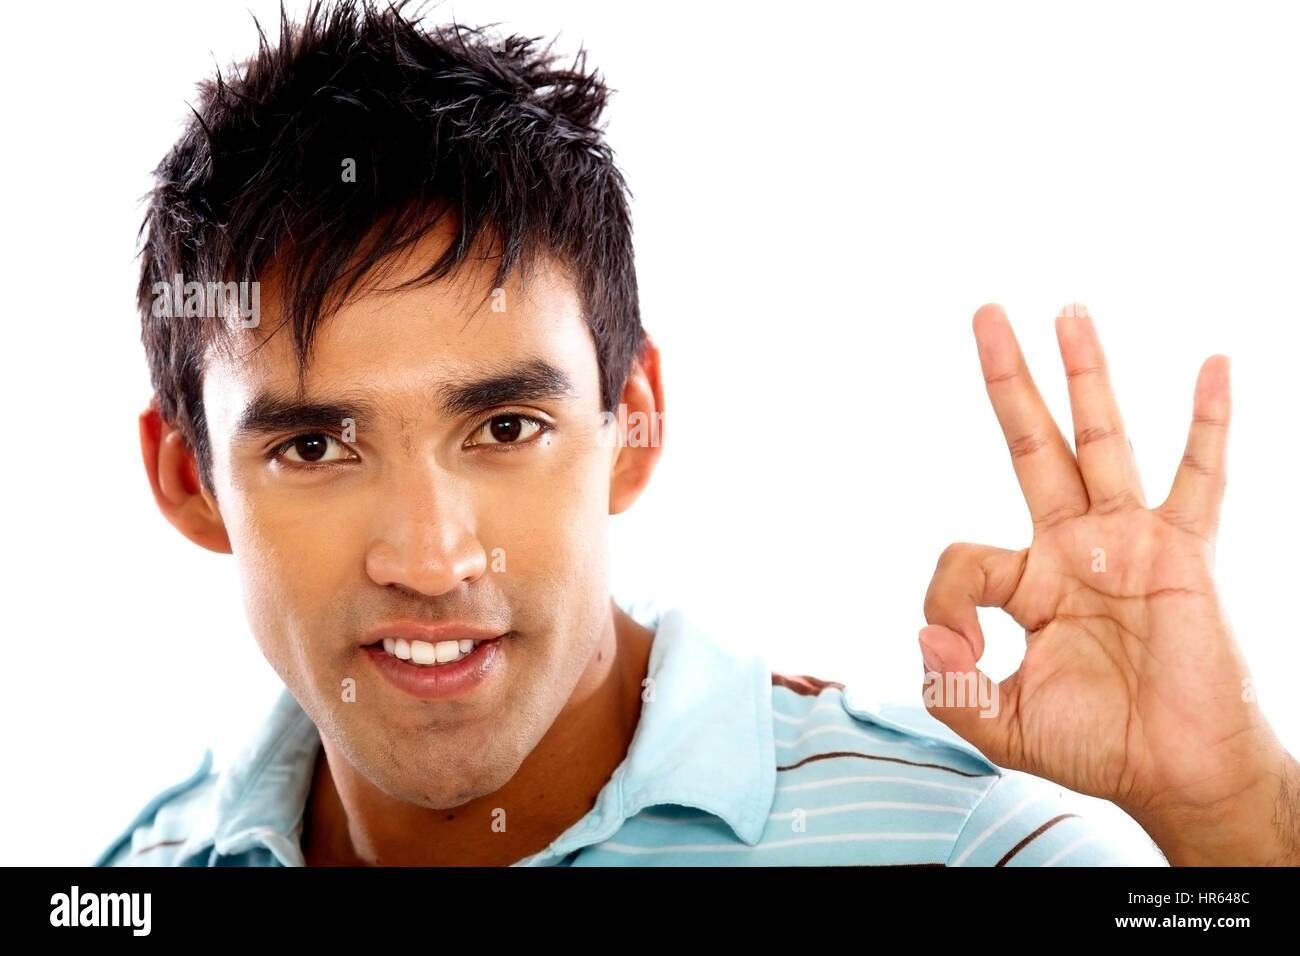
(311, 449)
(507, 430)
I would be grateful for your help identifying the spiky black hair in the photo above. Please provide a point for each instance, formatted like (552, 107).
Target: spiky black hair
(438, 119)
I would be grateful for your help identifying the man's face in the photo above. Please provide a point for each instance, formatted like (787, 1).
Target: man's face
(454, 501)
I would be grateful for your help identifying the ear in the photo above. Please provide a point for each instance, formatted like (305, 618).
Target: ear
(174, 478)
(640, 428)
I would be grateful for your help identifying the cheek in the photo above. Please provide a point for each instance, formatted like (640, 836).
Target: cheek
(291, 564)
(548, 524)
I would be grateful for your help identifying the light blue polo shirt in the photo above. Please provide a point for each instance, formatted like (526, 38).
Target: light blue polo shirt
(730, 765)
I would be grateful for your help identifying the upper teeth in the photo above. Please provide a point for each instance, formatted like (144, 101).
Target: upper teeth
(422, 652)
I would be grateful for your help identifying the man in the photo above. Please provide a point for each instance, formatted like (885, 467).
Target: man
(411, 431)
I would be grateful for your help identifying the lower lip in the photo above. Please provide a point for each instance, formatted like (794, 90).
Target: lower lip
(439, 681)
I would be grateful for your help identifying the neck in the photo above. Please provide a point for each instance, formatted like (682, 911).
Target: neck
(350, 822)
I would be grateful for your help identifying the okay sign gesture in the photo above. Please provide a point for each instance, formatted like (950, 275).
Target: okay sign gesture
(1131, 686)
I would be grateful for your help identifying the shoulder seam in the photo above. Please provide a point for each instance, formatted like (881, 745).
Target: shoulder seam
(1001, 776)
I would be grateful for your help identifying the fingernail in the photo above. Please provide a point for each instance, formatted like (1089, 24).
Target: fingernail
(933, 662)
(1074, 310)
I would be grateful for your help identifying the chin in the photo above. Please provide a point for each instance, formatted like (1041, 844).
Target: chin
(451, 795)
(434, 787)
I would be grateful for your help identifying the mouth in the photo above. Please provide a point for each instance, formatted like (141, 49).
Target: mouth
(427, 653)
(439, 670)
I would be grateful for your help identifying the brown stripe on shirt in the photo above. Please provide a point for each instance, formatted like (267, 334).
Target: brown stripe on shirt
(803, 684)
(154, 846)
(1027, 840)
(862, 756)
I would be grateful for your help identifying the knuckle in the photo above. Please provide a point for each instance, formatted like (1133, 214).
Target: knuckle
(953, 554)
(1197, 466)
(1001, 378)
(1023, 445)
(1095, 434)
(1056, 516)
(1186, 521)
(1085, 370)
(945, 571)
(1119, 501)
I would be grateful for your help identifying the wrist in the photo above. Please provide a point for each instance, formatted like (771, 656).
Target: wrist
(1258, 825)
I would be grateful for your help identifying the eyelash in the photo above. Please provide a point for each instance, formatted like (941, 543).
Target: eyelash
(277, 453)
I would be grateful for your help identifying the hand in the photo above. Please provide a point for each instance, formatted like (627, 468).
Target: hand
(1131, 686)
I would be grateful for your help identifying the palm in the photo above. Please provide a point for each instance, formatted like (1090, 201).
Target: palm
(1110, 659)
(1130, 684)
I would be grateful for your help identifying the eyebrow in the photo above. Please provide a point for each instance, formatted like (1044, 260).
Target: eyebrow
(535, 380)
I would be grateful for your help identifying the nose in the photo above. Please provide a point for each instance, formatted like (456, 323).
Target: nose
(424, 538)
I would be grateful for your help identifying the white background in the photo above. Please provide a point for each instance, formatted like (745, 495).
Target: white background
(823, 197)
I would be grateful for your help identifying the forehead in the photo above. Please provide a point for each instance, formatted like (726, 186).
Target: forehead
(404, 343)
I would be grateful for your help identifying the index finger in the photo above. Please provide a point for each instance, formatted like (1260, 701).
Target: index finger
(1046, 468)
(970, 576)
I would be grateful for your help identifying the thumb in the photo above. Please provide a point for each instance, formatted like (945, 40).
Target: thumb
(961, 696)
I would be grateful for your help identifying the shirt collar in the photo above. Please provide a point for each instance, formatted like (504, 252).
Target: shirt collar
(260, 797)
(704, 740)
